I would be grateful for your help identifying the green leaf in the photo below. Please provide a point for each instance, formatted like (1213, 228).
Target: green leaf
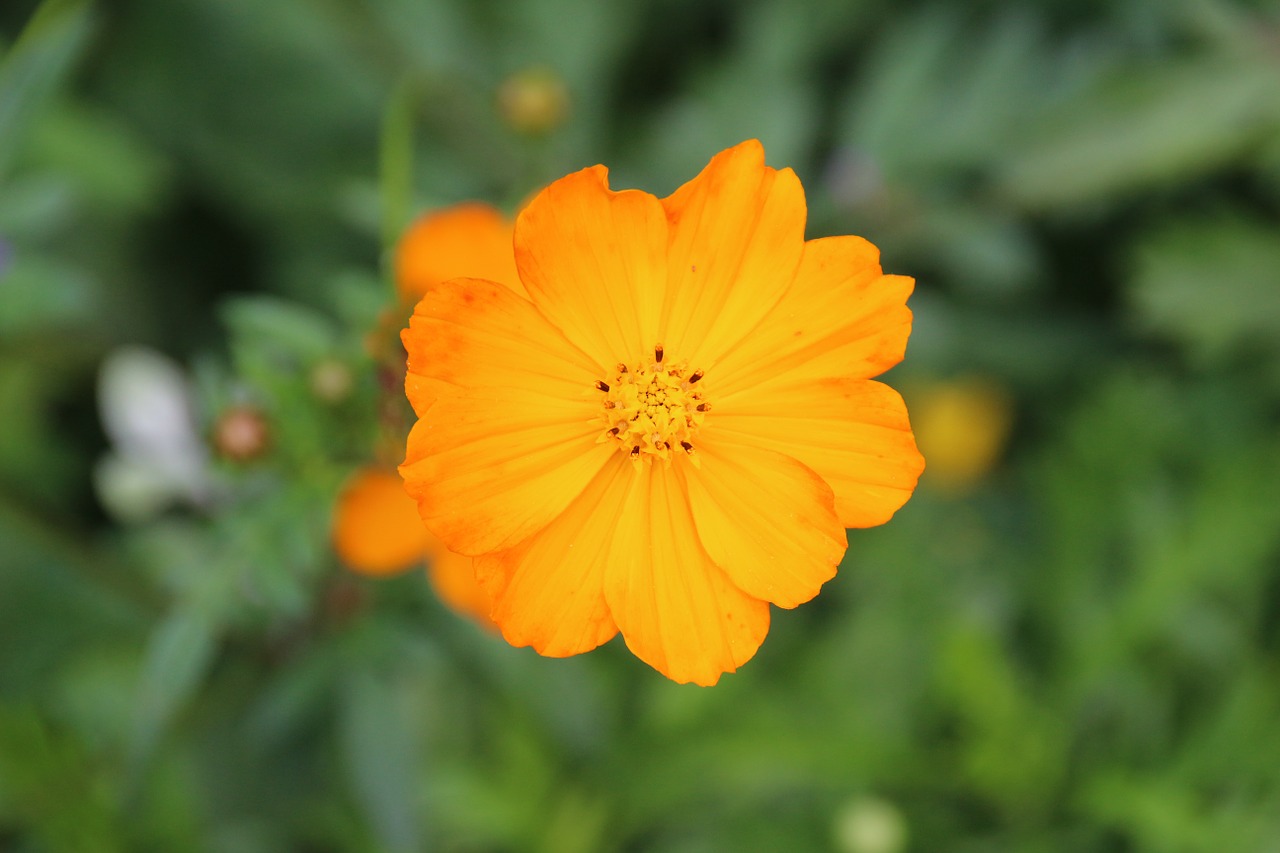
(1143, 128)
(101, 156)
(289, 330)
(178, 656)
(285, 704)
(33, 205)
(380, 754)
(941, 96)
(1011, 751)
(757, 91)
(1214, 286)
(988, 254)
(57, 596)
(47, 778)
(359, 299)
(39, 294)
(29, 74)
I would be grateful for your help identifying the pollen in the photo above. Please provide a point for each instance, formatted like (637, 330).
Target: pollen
(652, 410)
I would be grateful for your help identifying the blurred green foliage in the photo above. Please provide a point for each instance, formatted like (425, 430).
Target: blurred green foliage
(1080, 652)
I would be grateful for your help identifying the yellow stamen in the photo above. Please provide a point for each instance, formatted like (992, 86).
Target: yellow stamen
(651, 408)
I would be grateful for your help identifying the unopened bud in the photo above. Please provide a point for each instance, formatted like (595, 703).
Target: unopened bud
(241, 434)
(331, 380)
(534, 100)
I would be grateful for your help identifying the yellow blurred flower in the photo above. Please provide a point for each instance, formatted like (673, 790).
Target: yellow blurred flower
(534, 100)
(962, 426)
(675, 427)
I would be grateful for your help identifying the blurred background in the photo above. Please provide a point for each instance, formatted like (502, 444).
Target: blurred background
(1069, 640)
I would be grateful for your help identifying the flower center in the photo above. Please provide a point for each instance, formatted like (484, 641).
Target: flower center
(652, 409)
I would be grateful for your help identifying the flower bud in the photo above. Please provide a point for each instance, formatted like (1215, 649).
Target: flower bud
(533, 101)
(241, 434)
(331, 380)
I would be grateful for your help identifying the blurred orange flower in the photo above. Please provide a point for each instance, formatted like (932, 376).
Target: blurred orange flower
(376, 528)
(377, 532)
(672, 431)
(470, 239)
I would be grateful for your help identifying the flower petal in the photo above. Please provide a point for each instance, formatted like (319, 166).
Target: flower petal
(853, 432)
(594, 262)
(677, 611)
(548, 591)
(421, 390)
(470, 240)
(508, 440)
(472, 333)
(737, 233)
(766, 519)
(841, 317)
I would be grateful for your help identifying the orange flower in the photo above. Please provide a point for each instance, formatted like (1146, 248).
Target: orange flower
(377, 532)
(453, 578)
(674, 429)
(468, 239)
(376, 529)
